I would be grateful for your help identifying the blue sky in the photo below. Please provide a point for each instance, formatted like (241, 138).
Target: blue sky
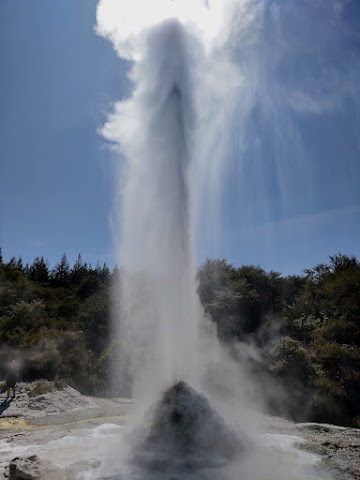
(57, 83)
(293, 199)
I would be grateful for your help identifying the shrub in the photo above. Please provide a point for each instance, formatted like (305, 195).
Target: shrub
(40, 387)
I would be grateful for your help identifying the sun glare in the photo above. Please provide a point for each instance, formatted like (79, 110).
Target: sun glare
(122, 21)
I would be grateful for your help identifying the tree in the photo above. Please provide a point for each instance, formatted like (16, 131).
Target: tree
(104, 274)
(238, 300)
(213, 275)
(61, 272)
(79, 271)
(12, 263)
(39, 271)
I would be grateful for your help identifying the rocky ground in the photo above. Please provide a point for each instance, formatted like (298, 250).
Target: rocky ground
(40, 403)
(42, 416)
(339, 447)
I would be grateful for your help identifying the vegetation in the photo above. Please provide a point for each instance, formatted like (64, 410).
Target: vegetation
(56, 321)
(305, 328)
(41, 387)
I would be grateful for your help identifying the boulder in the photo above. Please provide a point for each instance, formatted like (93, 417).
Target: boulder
(33, 468)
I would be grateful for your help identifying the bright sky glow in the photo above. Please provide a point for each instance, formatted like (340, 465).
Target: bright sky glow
(123, 21)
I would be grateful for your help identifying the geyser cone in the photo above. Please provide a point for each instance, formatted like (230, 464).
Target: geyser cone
(185, 432)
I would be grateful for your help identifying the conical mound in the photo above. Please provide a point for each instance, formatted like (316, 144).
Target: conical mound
(185, 432)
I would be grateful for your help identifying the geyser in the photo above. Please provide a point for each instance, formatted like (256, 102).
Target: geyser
(248, 70)
(154, 130)
(160, 130)
(183, 432)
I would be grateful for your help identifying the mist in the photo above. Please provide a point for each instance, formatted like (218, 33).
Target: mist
(216, 106)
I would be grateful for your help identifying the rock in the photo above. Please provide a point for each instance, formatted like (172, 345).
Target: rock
(54, 402)
(32, 468)
(184, 431)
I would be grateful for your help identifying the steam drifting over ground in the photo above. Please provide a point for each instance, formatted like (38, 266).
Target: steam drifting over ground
(204, 73)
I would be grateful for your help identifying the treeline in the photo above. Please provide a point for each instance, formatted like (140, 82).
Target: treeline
(56, 322)
(305, 329)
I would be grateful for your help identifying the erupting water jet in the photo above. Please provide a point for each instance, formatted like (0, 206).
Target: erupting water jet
(171, 129)
(154, 129)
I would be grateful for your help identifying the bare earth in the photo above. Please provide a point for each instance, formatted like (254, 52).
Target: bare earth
(54, 415)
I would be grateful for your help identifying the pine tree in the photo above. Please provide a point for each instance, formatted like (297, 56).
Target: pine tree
(105, 274)
(39, 271)
(19, 264)
(78, 272)
(12, 263)
(61, 272)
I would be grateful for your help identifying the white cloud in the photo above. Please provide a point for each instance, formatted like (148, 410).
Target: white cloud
(124, 22)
